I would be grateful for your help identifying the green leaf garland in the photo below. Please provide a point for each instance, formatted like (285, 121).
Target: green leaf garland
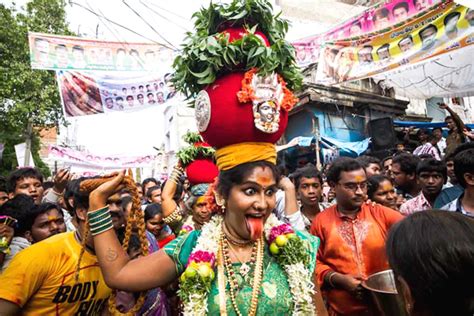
(208, 54)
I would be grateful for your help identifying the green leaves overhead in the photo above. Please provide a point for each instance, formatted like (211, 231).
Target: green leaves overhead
(191, 153)
(208, 54)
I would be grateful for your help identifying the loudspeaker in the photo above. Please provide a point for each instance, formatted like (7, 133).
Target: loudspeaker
(382, 133)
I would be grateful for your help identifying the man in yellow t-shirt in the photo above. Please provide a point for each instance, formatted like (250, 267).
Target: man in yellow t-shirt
(40, 279)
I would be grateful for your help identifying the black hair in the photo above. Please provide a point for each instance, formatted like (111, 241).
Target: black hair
(80, 199)
(407, 162)
(60, 46)
(432, 165)
(148, 180)
(399, 5)
(125, 201)
(151, 189)
(366, 161)
(343, 164)
(431, 26)
(367, 46)
(134, 243)
(71, 187)
(129, 97)
(121, 50)
(78, 47)
(464, 163)
(118, 99)
(381, 13)
(133, 51)
(373, 184)
(425, 156)
(309, 171)
(39, 39)
(21, 174)
(150, 93)
(357, 23)
(45, 207)
(422, 131)
(439, 266)
(385, 159)
(409, 37)
(140, 94)
(383, 47)
(463, 147)
(235, 176)
(436, 128)
(450, 16)
(21, 207)
(152, 210)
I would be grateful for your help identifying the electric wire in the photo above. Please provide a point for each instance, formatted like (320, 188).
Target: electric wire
(151, 26)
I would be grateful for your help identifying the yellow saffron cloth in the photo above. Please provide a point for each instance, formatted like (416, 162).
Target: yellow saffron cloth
(233, 155)
(201, 199)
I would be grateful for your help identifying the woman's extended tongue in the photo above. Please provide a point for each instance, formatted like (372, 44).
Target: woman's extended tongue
(255, 227)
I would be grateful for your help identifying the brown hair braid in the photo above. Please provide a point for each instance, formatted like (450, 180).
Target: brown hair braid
(135, 220)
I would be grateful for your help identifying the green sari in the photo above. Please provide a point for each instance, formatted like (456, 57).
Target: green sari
(275, 297)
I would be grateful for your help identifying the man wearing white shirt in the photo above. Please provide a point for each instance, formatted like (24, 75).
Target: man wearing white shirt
(438, 134)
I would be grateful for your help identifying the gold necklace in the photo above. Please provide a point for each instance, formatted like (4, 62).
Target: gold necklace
(245, 267)
(232, 239)
(257, 279)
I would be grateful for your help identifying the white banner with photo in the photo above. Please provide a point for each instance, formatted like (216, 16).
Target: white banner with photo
(88, 93)
(88, 161)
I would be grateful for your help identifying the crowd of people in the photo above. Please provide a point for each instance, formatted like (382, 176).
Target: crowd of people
(417, 209)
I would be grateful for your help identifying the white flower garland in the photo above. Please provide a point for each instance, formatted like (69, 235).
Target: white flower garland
(299, 276)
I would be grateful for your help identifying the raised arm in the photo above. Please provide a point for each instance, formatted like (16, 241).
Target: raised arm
(168, 204)
(457, 120)
(118, 270)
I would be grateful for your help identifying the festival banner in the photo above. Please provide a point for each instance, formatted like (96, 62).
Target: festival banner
(88, 93)
(447, 28)
(88, 161)
(377, 19)
(444, 76)
(56, 52)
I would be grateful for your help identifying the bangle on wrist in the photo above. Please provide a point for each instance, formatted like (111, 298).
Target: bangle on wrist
(332, 274)
(173, 217)
(100, 221)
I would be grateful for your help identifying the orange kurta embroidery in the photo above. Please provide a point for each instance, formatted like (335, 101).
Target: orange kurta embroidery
(351, 246)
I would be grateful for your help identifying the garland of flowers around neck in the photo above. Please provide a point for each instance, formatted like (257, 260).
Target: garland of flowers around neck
(289, 250)
(188, 226)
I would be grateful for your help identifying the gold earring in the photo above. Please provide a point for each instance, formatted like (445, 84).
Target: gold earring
(219, 200)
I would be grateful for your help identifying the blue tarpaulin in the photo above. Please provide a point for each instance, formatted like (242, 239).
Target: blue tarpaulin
(424, 124)
(356, 148)
(350, 148)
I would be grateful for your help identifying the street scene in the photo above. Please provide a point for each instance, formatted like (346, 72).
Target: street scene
(237, 157)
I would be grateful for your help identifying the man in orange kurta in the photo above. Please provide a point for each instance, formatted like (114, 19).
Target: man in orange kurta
(353, 235)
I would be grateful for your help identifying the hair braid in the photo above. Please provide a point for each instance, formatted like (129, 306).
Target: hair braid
(135, 219)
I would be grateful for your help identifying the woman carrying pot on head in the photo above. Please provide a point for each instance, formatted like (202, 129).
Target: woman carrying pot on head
(244, 261)
(197, 162)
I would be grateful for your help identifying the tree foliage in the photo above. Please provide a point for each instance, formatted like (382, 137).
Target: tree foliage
(27, 94)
